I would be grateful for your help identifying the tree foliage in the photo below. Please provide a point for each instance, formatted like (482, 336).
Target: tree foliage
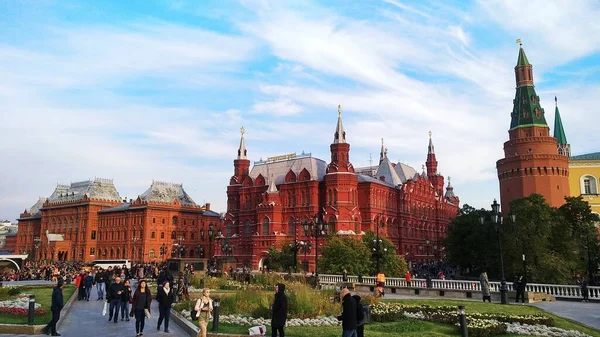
(280, 260)
(553, 241)
(354, 255)
(391, 264)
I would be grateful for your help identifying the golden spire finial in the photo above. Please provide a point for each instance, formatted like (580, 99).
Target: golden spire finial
(430, 134)
(242, 131)
(520, 43)
(339, 110)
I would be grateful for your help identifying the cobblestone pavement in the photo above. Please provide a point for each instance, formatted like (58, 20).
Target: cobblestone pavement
(85, 319)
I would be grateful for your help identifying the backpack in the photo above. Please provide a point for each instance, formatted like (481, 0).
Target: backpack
(360, 313)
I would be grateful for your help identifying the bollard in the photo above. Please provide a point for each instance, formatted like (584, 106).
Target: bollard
(31, 312)
(216, 307)
(463, 321)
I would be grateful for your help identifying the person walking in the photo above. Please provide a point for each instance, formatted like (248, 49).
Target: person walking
(348, 314)
(100, 286)
(360, 317)
(165, 298)
(279, 311)
(345, 276)
(520, 285)
(140, 303)
(88, 282)
(485, 286)
(114, 296)
(204, 308)
(407, 277)
(125, 300)
(584, 289)
(56, 306)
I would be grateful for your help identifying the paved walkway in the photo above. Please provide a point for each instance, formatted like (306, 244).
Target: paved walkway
(585, 313)
(85, 319)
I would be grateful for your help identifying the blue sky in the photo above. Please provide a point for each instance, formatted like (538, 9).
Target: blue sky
(142, 90)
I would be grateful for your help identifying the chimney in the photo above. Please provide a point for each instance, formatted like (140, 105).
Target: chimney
(207, 206)
(382, 178)
(131, 201)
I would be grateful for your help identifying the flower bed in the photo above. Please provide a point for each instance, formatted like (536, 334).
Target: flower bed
(479, 325)
(20, 306)
(246, 320)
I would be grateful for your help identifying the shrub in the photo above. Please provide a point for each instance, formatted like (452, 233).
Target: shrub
(14, 291)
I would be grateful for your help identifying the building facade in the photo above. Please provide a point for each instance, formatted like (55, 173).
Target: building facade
(268, 205)
(584, 173)
(534, 161)
(88, 221)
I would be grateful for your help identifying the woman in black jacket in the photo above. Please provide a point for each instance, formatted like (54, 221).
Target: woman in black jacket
(141, 302)
(165, 298)
(279, 310)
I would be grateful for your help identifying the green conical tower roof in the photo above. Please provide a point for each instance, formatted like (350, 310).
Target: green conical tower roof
(527, 110)
(559, 130)
(522, 60)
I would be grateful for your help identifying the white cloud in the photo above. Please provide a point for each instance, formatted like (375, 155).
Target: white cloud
(279, 107)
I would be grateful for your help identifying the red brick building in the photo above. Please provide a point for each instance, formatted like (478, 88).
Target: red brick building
(534, 161)
(88, 221)
(267, 205)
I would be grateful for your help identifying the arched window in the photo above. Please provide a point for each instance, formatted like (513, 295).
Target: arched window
(153, 235)
(151, 253)
(265, 227)
(229, 229)
(589, 184)
(291, 227)
(174, 220)
(173, 235)
(247, 228)
(93, 235)
(162, 235)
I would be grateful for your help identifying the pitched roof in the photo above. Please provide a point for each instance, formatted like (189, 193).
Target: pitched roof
(387, 171)
(362, 178)
(559, 130)
(163, 192)
(405, 172)
(279, 169)
(587, 156)
(36, 208)
(99, 189)
(211, 213)
(122, 207)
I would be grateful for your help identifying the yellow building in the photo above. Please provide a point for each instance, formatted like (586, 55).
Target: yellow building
(584, 175)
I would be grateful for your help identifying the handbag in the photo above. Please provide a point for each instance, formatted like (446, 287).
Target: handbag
(194, 315)
(147, 313)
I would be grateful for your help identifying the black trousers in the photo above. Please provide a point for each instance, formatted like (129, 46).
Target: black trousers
(140, 320)
(521, 294)
(164, 314)
(275, 328)
(360, 331)
(52, 324)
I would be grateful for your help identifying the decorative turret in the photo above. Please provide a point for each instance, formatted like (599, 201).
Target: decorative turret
(272, 187)
(449, 191)
(340, 134)
(340, 149)
(526, 105)
(559, 132)
(431, 162)
(241, 164)
(242, 149)
(382, 153)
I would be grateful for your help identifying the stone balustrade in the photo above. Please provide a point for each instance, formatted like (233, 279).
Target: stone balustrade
(560, 291)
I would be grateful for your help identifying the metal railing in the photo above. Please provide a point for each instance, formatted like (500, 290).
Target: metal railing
(556, 290)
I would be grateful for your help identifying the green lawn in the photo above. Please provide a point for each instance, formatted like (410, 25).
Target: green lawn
(472, 306)
(415, 328)
(43, 295)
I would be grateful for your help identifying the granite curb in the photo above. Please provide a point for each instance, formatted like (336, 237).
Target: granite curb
(35, 329)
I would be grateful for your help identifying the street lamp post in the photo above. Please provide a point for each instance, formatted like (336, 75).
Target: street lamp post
(163, 251)
(134, 240)
(294, 246)
(378, 250)
(428, 262)
(497, 221)
(180, 249)
(36, 244)
(315, 229)
(305, 247)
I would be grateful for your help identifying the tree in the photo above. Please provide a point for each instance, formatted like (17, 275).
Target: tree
(282, 260)
(344, 252)
(391, 264)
